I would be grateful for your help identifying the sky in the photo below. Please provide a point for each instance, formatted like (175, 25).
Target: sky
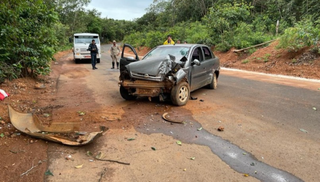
(120, 9)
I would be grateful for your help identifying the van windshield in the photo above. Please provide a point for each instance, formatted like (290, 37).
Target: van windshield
(86, 39)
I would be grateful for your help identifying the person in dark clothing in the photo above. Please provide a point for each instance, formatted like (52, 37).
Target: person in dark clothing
(93, 51)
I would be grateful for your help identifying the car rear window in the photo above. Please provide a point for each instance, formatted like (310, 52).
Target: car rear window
(207, 53)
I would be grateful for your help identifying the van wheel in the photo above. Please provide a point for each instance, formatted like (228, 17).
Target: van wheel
(98, 60)
(76, 61)
(180, 94)
(125, 94)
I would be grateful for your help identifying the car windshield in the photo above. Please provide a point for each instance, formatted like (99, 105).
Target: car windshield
(177, 51)
(85, 39)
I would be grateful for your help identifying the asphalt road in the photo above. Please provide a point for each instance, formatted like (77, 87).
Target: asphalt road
(273, 120)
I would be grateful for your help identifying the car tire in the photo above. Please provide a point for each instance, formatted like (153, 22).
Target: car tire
(76, 61)
(214, 83)
(98, 60)
(125, 94)
(180, 94)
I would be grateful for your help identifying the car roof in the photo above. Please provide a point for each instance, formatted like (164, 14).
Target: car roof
(88, 34)
(184, 45)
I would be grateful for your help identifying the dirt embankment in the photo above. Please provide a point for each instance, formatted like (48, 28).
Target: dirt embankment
(269, 59)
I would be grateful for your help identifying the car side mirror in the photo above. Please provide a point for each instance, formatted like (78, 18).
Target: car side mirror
(196, 62)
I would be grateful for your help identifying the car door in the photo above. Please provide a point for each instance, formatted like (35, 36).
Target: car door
(198, 71)
(128, 56)
(208, 65)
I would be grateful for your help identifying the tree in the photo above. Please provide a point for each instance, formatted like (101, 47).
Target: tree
(27, 38)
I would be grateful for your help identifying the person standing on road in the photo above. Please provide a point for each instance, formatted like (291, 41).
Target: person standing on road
(93, 51)
(115, 51)
(169, 40)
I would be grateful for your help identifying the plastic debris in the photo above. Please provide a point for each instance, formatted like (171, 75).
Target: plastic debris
(192, 158)
(244, 153)
(179, 142)
(252, 164)
(46, 115)
(99, 156)
(130, 139)
(79, 166)
(1, 135)
(153, 148)
(314, 108)
(81, 113)
(199, 129)
(184, 169)
(246, 175)
(48, 173)
(303, 130)
(89, 153)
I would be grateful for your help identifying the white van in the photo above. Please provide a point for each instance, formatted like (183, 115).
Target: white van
(81, 42)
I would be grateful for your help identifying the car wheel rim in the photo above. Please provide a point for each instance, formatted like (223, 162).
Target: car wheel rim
(183, 94)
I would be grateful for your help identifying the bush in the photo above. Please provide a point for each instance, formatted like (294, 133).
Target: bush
(28, 38)
(304, 34)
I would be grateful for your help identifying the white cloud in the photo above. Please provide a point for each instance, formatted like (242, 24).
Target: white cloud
(120, 9)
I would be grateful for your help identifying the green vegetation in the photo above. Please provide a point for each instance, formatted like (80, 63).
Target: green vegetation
(33, 30)
(245, 61)
(266, 57)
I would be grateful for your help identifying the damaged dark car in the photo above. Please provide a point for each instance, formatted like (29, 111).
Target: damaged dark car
(169, 72)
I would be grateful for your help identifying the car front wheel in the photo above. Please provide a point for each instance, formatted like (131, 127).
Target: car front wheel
(125, 94)
(180, 94)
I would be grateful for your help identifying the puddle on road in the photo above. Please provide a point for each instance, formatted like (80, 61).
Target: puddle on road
(237, 158)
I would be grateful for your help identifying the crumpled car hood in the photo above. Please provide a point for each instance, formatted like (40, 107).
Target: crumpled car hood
(152, 66)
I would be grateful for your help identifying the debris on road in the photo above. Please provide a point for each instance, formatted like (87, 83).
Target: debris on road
(303, 130)
(64, 133)
(79, 166)
(199, 129)
(192, 158)
(48, 173)
(39, 86)
(314, 108)
(100, 155)
(81, 113)
(171, 118)
(153, 148)
(130, 139)
(193, 98)
(246, 175)
(3, 94)
(221, 128)
(179, 142)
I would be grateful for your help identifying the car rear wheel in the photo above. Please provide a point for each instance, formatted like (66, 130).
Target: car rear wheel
(214, 83)
(180, 94)
(125, 94)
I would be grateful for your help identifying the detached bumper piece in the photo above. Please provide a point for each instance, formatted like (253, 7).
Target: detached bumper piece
(63, 133)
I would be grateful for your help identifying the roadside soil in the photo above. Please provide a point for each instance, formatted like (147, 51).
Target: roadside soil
(24, 158)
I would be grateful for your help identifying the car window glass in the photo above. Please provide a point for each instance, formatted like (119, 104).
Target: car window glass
(85, 39)
(207, 53)
(197, 54)
(176, 51)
